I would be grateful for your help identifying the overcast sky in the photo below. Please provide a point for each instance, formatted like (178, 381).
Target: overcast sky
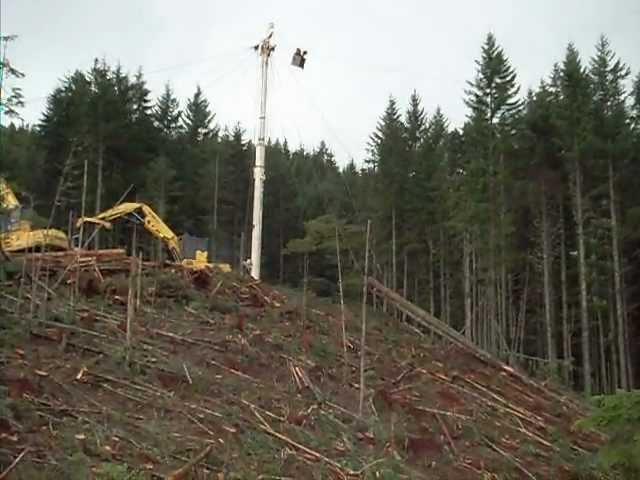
(360, 52)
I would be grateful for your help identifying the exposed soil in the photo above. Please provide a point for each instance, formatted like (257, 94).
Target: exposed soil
(230, 364)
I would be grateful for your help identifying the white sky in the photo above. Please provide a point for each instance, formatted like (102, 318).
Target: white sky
(360, 52)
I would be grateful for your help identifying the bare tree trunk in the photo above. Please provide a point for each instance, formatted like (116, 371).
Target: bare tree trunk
(475, 312)
(447, 292)
(442, 280)
(305, 282)
(432, 299)
(83, 204)
(582, 270)
(604, 388)
(611, 341)
(140, 259)
(241, 256)
(394, 272)
(491, 294)
(281, 259)
(546, 265)
(131, 295)
(467, 286)
(405, 279)
(364, 319)
(566, 332)
(385, 277)
(503, 260)
(83, 201)
(630, 367)
(213, 242)
(344, 328)
(523, 314)
(99, 188)
(617, 275)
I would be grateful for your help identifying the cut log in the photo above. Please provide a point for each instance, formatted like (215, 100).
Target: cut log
(431, 323)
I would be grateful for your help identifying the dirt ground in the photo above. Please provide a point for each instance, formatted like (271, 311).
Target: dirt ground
(233, 369)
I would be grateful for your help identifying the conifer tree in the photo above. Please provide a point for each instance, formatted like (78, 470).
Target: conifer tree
(492, 99)
(166, 114)
(415, 122)
(197, 118)
(575, 122)
(611, 143)
(388, 150)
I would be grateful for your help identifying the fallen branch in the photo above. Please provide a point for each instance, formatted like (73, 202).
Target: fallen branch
(445, 430)
(147, 389)
(528, 417)
(143, 401)
(298, 446)
(182, 472)
(198, 423)
(73, 328)
(503, 400)
(13, 465)
(235, 372)
(184, 365)
(436, 411)
(511, 459)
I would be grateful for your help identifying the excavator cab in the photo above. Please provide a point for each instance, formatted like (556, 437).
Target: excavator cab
(17, 235)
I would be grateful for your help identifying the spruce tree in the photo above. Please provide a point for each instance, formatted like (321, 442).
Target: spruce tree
(390, 159)
(541, 162)
(166, 113)
(575, 126)
(635, 102)
(493, 95)
(197, 118)
(611, 144)
(495, 108)
(415, 122)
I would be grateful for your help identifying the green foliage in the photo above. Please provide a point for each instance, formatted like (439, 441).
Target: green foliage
(389, 157)
(493, 95)
(618, 416)
(166, 113)
(198, 118)
(322, 350)
(77, 467)
(320, 236)
(11, 103)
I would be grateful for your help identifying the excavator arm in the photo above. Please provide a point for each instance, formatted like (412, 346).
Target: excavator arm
(140, 213)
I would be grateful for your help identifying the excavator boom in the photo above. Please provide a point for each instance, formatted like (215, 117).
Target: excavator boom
(143, 214)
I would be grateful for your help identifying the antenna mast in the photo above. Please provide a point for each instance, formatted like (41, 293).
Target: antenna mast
(265, 48)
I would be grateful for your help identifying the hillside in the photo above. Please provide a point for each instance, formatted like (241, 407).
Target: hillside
(224, 370)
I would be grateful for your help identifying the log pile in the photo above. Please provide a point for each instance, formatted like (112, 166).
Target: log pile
(107, 260)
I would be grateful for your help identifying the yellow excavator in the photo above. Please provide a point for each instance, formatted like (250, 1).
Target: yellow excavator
(141, 213)
(17, 235)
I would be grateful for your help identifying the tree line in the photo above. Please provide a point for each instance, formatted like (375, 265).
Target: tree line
(519, 228)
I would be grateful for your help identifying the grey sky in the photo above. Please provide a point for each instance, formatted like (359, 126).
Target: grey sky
(359, 52)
